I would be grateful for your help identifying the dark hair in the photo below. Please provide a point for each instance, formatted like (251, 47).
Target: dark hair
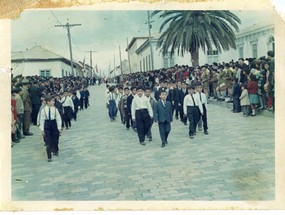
(126, 88)
(140, 87)
(48, 98)
(270, 53)
(147, 88)
(133, 88)
(162, 91)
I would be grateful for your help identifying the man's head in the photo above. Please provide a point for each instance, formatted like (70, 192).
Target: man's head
(199, 88)
(183, 85)
(140, 91)
(147, 92)
(127, 91)
(191, 89)
(270, 55)
(241, 61)
(163, 95)
(49, 100)
(134, 90)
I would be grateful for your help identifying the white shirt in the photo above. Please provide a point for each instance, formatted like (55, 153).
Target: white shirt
(188, 101)
(203, 98)
(54, 115)
(141, 103)
(67, 102)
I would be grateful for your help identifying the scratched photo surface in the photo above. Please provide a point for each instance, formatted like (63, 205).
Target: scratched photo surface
(101, 161)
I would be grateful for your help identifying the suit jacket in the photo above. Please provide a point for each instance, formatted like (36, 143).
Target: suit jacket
(129, 103)
(182, 96)
(163, 113)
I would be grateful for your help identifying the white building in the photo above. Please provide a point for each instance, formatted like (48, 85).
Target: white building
(253, 41)
(42, 62)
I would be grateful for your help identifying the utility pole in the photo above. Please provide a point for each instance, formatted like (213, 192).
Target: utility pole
(91, 60)
(149, 37)
(129, 57)
(120, 60)
(68, 26)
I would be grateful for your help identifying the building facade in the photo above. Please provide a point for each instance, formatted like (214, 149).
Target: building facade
(42, 62)
(251, 42)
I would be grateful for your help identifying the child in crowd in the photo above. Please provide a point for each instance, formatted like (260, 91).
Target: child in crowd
(111, 102)
(236, 95)
(191, 107)
(163, 115)
(203, 98)
(124, 107)
(152, 103)
(252, 88)
(244, 101)
(50, 126)
(142, 113)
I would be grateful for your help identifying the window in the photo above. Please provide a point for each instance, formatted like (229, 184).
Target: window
(240, 50)
(254, 50)
(45, 73)
(212, 52)
(271, 44)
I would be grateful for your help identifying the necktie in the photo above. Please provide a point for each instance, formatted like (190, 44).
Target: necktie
(193, 100)
(49, 117)
(200, 98)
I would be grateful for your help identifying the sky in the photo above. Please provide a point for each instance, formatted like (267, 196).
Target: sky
(100, 31)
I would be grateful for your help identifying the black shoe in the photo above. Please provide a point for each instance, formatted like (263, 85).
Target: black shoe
(28, 134)
(185, 123)
(16, 141)
(162, 145)
(166, 142)
(191, 137)
(142, 143)
(150, 139)
(49, 160)
(56, 154)
(200, 128)
(206, 132)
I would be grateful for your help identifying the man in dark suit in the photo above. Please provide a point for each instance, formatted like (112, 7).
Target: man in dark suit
(35, 95)
(163, 115)
(183, 92)
(129, 107)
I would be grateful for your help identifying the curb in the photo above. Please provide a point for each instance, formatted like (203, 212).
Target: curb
(230, 105)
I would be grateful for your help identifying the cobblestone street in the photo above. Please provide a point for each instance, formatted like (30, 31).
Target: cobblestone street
(101, 160)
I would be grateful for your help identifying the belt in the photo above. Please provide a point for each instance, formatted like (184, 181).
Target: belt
(142, 109)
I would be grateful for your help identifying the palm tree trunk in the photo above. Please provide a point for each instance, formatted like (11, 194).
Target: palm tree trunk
(195, 58)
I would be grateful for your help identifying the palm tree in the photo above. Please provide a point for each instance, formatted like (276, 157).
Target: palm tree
(188, 31)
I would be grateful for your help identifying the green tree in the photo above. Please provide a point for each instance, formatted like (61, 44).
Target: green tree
(188, 31)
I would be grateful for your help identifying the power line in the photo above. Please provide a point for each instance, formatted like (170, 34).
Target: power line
(68, 26)
(55, 17)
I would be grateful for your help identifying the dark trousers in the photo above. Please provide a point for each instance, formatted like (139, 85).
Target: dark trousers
(164, 130)
(127, 119)
(51, 137)
(149, 133)
(26, 121)
(236, 104)
(67, 116)
(193, 114)
(81, 103)
(20, 125)
(86, 103)
(143, 123)
(35, 112)
(112, 109)
(121, 116)
(203, 119)
(75, 115)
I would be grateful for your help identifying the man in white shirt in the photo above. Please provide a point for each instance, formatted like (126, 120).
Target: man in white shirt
(192, 108)
(68, 108)
(142, 113)
(203, 98)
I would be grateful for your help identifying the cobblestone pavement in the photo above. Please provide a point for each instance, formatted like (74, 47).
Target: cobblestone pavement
(101, 160)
